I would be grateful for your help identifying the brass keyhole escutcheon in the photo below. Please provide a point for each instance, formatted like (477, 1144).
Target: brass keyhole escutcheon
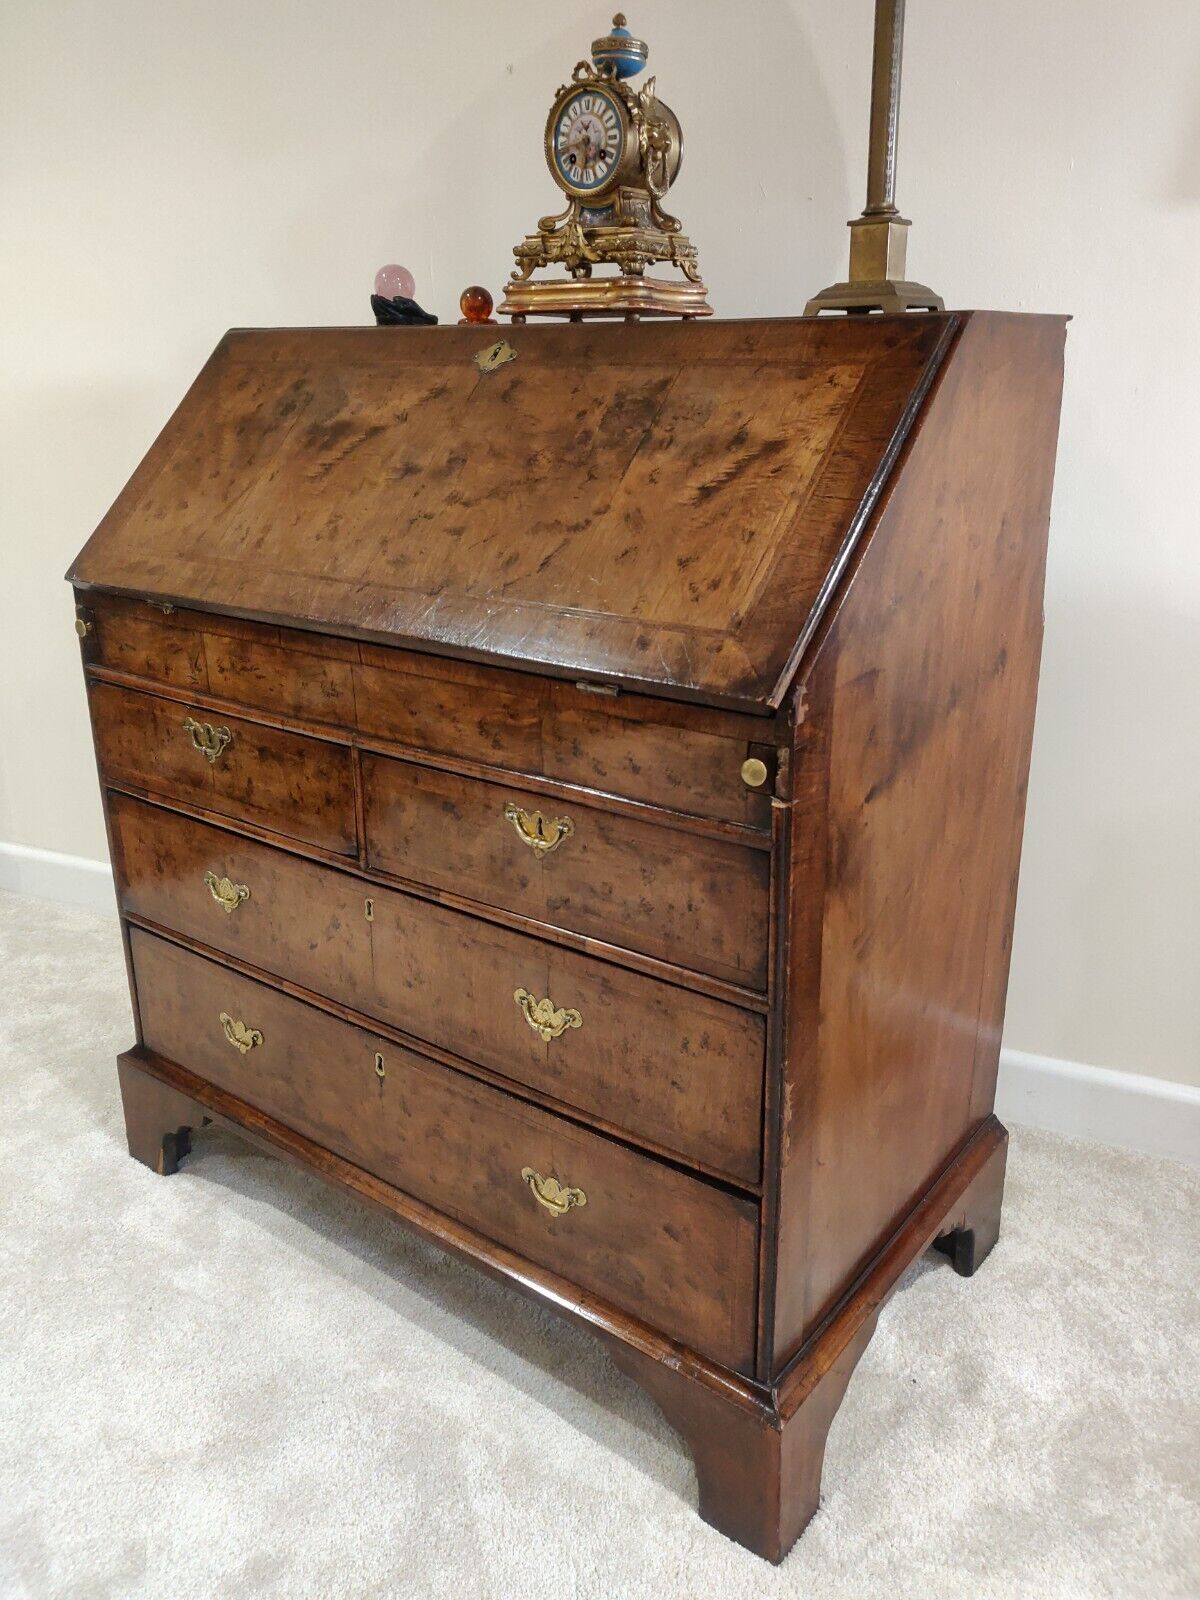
(380, 1069)
(495, 356)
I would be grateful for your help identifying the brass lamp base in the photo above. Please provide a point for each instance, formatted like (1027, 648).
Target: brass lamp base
(884, 296)
(625, 296)
(878, 253)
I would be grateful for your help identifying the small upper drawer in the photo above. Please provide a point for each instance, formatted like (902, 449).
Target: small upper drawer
(698, 902)
(255, 665)
(300, 787)
(679, 1070)
(681, 758)
(665, 1245)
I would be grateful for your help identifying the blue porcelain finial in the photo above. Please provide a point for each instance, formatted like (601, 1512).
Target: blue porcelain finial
(626, 54)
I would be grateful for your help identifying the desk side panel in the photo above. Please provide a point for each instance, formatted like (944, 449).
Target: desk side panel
(916, 751)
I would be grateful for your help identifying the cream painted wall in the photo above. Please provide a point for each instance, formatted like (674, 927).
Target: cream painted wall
(167, 171)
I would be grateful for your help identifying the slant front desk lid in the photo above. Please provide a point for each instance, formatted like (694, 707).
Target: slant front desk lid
(665, 506)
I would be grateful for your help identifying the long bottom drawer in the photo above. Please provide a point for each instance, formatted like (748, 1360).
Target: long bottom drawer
(672, 1249)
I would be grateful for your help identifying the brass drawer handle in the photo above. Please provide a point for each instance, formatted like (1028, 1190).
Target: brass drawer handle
(544, 1017)
(540, 833)
(206, 739)
(225, 893)
(239, 1035)
(548, 1192)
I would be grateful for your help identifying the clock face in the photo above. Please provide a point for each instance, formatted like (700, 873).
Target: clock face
(587, 140)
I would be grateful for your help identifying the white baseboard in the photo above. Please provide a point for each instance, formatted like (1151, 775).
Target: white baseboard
(1123, 1109)
(71, 880)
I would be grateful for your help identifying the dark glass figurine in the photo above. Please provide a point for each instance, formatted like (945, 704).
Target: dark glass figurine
(400, 312)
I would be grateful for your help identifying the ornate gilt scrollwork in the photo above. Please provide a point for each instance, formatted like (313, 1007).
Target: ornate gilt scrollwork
(540, 833)
(557, 1198)
(227, 894)
(241, 1037)
(208, 741)
(544, 1017)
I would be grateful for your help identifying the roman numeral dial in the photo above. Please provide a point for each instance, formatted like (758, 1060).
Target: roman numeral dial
(586, 140)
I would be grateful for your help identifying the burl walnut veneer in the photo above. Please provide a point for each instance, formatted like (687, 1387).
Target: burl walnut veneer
(577, 808)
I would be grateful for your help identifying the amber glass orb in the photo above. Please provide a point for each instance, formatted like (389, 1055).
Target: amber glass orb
(475, 304)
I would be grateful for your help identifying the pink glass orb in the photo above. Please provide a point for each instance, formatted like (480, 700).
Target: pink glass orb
(475, 303)
(393, 280)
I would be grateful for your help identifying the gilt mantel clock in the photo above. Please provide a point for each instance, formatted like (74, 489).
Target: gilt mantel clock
(614, 152)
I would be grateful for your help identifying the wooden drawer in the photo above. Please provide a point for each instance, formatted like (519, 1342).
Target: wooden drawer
(682, 758)
(277, 670)
(299, 920)
(300, 787)
(698, 902)
(673, 1068)
(650, 1239)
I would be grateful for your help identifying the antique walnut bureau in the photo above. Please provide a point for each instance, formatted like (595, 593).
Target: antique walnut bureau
(573, 800)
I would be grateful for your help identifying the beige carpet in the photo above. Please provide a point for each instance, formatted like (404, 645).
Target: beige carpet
(235, 1383)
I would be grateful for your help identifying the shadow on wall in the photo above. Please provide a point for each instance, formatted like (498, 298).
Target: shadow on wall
(1110, 877)
(763, 178)
(81, 442)
(1183, 183)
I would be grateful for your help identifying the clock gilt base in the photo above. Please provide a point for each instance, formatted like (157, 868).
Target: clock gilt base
(618, 296)
(575, 805)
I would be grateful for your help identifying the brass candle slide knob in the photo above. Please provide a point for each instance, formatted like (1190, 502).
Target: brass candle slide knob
(544, 1017)
(207, 740)
(540, 833)
(242, 1038)
(557, 1198)
(227, 894)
